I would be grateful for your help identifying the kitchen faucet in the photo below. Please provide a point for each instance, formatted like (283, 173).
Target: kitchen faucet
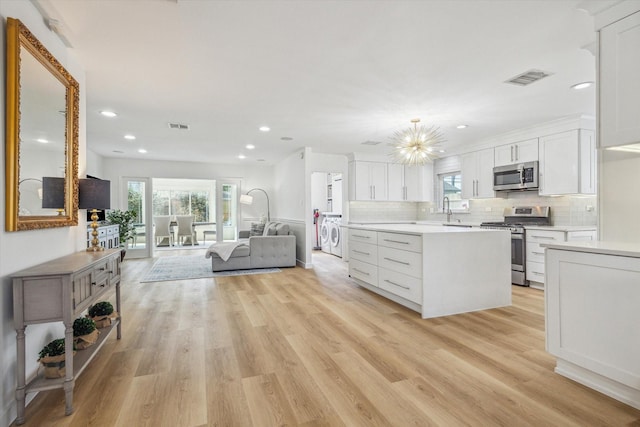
(448, 210)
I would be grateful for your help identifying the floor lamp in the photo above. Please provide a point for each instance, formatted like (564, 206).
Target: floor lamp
(95, 194)
(246, 199)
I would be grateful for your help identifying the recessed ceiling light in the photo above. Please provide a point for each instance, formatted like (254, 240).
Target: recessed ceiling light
(582, 85)
(242, 156)
(118, 151)
(264, 128)
(441, 151)
(130, 137)
(462, 126)
(108, 113)
(42, 141)
(286, 138)
(142, 150)
(250, 146)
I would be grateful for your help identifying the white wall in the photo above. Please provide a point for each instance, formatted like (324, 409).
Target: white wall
(23, 249)
(619, 196)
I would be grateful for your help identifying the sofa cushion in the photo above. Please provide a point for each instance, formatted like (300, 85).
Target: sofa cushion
(270, 229)
(282, 229)
(240, 251)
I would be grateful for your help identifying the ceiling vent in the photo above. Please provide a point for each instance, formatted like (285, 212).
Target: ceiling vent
(372, 142)
(179, 126)
(529, 77)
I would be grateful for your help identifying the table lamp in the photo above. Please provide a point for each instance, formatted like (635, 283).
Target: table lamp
(53, 193)
(94, 194)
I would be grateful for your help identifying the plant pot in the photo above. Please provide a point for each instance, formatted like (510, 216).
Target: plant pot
(53, 366)
(84, 341)
(104, 321)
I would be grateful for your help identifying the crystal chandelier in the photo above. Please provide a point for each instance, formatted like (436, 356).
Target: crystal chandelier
(417, 145)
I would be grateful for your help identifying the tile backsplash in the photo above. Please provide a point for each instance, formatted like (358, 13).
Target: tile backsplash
(565, 210)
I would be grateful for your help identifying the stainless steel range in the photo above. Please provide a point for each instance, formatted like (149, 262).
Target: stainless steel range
(515, 220)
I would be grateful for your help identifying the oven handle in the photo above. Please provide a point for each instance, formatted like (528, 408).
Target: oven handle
(517, 236)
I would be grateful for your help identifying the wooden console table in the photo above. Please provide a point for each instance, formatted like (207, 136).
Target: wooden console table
(60, 290)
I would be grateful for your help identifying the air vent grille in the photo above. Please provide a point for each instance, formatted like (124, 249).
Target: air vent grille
(527, 78)
(179, 126)
(372, 142)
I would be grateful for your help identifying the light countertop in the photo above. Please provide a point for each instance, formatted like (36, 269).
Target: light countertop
(420, 228)
(562, 227)
(599, 247)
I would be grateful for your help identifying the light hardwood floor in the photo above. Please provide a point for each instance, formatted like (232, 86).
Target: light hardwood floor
(310, 347)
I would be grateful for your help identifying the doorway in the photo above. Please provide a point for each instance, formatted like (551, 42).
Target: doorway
(326, 201)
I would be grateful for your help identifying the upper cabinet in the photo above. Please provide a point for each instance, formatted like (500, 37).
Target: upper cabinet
(619, 87)
(519, 152)
(477, 174)
(367, 180)
(410, 183)
(568, 163)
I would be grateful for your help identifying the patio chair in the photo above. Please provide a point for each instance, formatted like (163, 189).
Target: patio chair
(185, 229)
(162, 229)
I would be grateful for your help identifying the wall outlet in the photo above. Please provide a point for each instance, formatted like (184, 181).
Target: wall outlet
(423, 210)
(589, 208)
(430, 210)
(487, 209)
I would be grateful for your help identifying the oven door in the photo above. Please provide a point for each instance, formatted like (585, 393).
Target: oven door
(517, 252)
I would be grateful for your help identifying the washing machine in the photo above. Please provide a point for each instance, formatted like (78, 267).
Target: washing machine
(335, 236)
(325, 244)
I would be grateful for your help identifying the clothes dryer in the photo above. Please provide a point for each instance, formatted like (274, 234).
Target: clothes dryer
(325, 244)
(335, 236)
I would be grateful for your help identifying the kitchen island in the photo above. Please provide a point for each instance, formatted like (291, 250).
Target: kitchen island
(592, 316)
(434, 270)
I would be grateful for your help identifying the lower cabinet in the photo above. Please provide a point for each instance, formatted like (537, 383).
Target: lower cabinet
(389, 261)
(535, 267)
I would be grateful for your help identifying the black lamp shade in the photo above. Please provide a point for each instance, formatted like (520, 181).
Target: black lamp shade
(95, 194)
(52, 192)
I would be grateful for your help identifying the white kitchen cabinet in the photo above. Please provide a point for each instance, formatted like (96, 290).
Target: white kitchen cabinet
(592, 316)
(477, 174)
(619, 90)
(519, 152)
(535, 266)
(368, 180)
(567, 163)
(410, 183)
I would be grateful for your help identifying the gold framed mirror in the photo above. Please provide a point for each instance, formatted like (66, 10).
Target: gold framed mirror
(41, 136)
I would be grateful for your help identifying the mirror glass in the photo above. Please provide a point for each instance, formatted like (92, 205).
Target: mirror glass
(41, 137)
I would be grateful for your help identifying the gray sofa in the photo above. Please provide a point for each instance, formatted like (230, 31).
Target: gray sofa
(276, 247)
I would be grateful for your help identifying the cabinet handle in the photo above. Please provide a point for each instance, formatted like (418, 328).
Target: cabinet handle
(543, 237)
(517, 154)
(360, 236)
(93, 283)
(395, 260)
(395, 241)
(539, 274)
(101, 269)
(103, 285)
(537, 253)
(374, 192)
(360, 271)
(396, 284)
(360, 252)
(512, 153)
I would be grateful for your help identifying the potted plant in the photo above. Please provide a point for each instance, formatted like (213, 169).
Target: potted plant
(52, 358)
(85, 332)
(125, 220)
(102, 314)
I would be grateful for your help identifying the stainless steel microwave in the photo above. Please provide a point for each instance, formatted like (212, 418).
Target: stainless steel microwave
(520, 176)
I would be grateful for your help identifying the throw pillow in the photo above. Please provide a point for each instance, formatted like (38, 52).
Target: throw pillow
(256, 229)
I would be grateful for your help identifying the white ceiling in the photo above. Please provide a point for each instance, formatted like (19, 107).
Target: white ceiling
(329, 74)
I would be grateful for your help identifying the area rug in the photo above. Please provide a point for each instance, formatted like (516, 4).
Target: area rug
(186, 267)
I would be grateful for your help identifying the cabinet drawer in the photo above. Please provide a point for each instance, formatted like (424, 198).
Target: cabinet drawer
(545, 236)
(363, 252)
(82, 287)
(535, 252)
(365, 236)
(404, 286)
(535, 271)
(579, 236)
(408, 242)
(405, 262)
(366, 272)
